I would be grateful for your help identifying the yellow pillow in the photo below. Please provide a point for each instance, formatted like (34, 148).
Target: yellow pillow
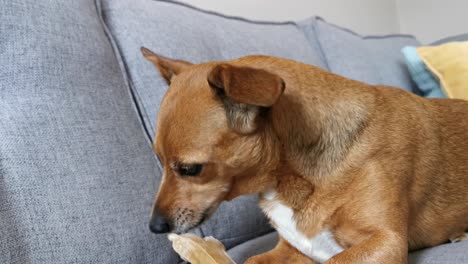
(449, 62)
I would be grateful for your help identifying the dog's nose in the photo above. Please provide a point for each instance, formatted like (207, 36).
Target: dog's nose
(158, 224)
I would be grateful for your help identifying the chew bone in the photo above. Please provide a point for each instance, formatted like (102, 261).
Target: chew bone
(197, 250)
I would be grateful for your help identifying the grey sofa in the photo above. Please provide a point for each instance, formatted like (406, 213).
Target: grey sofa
(78, 106)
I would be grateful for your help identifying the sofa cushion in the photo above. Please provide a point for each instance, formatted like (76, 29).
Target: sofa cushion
(461, 37)
(448, 253)
(258, 245)
(77, 174)
(179, 31)
(374, 60)
(453, 253)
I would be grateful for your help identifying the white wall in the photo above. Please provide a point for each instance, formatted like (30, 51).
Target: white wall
(362, 16)
(431, 20)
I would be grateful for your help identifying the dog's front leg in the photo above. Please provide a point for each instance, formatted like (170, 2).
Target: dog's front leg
(282, 253)
(382, 247)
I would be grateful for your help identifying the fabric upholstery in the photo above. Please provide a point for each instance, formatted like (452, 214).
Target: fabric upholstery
(373, 60)
(258, 245)
(461, 37)
(309, 28)
(179, 31)
(77, 174)
(176, 30)
(78, 105)
(452, 253)
(444, 254)
(427, 84)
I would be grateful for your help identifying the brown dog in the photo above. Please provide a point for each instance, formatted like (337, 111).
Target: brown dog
(347, 172)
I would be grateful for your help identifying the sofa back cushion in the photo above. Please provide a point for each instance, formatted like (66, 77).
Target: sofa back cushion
(461, 37)
(371, 59)
(179, 31)
(77, 174)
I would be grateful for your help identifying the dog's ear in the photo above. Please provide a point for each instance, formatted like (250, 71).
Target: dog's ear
(245, 93)
(167, 67)
(247, 85)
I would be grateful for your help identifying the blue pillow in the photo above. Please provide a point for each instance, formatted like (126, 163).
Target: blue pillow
(427, 83)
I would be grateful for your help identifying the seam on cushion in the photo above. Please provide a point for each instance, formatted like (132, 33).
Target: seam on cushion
(367, 36)
(273, 23)
(134, 98)
(293, 23)
(319, 46)
(460, 37)
(130, 87)
(124, 69)
(202, 232)
(279, 22)
(200, 228)
(227, 16)
(353, 33)
(319, 43)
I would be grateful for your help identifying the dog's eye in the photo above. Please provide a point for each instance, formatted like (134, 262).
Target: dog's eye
(190, 169)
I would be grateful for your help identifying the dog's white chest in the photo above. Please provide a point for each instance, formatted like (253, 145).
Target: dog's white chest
(320, 248)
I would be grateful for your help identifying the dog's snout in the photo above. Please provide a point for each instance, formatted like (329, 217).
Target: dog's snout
(159, 224)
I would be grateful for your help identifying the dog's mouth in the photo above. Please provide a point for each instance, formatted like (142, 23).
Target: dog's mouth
(187, 227)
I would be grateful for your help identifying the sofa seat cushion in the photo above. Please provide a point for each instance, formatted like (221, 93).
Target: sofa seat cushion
(179, 31)
(77, 174)
(455, 253)
(371, 59)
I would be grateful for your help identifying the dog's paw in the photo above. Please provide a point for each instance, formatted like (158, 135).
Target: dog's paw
(461, 237)
(273, 258)
(265, 258)
(259, 259)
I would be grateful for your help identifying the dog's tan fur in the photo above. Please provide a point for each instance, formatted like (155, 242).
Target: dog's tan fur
(385, 170)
